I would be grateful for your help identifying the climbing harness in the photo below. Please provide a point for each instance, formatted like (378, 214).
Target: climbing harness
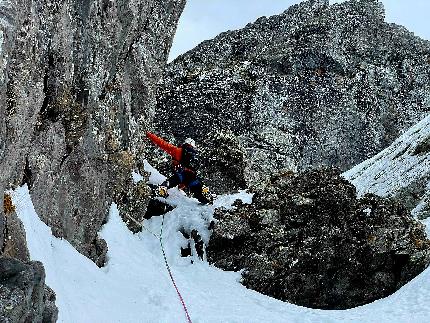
(171, 275)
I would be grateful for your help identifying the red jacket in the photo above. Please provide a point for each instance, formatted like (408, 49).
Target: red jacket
(172, 150)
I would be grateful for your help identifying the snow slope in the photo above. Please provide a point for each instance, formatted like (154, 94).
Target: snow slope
(398, 167)
(134, 286)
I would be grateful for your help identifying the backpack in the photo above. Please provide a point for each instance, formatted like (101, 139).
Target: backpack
(189, 157)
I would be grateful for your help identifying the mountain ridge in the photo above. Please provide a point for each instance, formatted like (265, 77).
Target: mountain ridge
(314, 86)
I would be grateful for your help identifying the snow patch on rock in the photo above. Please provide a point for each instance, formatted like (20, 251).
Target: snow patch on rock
(402, 169)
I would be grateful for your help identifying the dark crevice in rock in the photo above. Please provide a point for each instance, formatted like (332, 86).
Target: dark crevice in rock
(105, 88)
(47, 112)
(27, 175)
(400, 261)
(4, 233)
(422, 148)
(195, 242)
(157, 208)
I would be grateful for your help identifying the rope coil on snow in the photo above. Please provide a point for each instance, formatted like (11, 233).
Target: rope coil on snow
(171, 275)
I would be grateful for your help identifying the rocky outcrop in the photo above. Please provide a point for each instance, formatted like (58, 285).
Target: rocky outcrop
(402, 170)
(307, 239)
(13, 242)
(23, 294)
(24, 297)
(77, 92)
(315, 85)
(224, 161)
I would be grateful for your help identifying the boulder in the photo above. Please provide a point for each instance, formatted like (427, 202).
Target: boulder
(309, 240)
(24, 297)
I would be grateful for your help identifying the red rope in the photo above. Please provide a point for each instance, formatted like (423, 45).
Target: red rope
(171, 275)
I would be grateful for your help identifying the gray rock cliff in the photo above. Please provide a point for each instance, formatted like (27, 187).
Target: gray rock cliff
(77, 93)
(316, 85)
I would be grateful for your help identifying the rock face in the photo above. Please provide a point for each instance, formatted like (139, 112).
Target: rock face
(308, 240)
(402, 170)
(76, 93)
(14, 243)
(24, 297)
(23, 294)
(223, 161)
(316, 85)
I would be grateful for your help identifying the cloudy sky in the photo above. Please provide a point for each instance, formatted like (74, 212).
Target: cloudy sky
(204, 19)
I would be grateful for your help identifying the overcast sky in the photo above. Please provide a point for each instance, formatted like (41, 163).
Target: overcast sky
(204, 19)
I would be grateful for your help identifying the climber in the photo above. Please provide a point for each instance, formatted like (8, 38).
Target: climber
(185, 164)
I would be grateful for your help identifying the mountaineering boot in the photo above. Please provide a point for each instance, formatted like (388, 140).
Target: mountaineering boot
(161, 191)
(206, 193)
(204, 197)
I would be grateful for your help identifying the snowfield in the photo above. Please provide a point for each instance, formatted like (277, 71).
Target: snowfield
(135, 286)
(397, 167)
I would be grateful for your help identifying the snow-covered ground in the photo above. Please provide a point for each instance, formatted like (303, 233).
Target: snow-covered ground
(135, 286)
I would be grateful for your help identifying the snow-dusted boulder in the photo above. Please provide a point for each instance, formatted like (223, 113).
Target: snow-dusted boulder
(401, 170)
(309, 240)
